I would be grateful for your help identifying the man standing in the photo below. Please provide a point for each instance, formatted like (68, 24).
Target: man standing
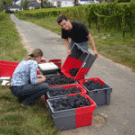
(78, 33)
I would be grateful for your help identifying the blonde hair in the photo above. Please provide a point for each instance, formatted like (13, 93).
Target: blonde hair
(36, 52)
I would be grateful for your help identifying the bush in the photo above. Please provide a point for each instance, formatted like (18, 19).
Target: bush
(9, 11)
(1, 6)
(2, 15)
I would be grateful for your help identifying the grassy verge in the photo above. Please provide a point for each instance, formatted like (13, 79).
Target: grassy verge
(10, 47)
(109, 44)
(15, 120)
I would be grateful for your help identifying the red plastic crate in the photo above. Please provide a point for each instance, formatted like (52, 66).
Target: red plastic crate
(82, 90)
(7, 68)
(84, 114)
(75, 117)
(75, 85)
(82, 81)
(42, 61)
(57, 62)
(79, 59)
(57, 85)
(9, 62)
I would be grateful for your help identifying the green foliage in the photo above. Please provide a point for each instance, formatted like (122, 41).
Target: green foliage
(8, 2)
(10, 45)
(42, 6)
(25, 4)
(124, 0)
(1, 6)
(112, 15)
(9, 11)
(41, 13)
(2, 15)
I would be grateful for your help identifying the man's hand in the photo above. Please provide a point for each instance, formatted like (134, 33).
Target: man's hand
(90, 38)
(66, 42)
(69, 52)
(96, 53)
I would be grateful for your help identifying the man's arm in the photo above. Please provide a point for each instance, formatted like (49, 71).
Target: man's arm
(66, 42)
(90, 38)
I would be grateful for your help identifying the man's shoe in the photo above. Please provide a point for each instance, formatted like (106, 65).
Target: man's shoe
(20, 100)
(24, 105)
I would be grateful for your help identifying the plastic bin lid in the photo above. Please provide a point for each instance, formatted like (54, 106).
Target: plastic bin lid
(48, 66)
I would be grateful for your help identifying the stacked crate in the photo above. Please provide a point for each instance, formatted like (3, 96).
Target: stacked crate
(80, 62)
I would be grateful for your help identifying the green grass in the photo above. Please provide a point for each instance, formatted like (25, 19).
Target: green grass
(11, 48)
(109, 44)
(15, 120)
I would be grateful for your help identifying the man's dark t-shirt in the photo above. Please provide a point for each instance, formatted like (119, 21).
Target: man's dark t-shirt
(78, 33)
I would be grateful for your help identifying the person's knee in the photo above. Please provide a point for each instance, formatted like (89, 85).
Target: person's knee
(45, 85)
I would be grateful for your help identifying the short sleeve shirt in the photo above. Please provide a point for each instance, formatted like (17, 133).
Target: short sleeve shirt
(78, 33)
(26, 72)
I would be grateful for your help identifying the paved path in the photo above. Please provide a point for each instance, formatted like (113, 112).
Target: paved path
(118, 118)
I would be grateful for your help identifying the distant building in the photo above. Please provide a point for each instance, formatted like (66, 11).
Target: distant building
(69, 3)
(12, 7)
(82, 2)
(62, 3)
(32, 3)
(57, 3)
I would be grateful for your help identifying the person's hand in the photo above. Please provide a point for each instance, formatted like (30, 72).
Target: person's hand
(44, 78)
(41, 79)
(69, 51)
(96, 53)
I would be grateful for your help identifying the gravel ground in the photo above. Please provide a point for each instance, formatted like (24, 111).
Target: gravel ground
(118, 118)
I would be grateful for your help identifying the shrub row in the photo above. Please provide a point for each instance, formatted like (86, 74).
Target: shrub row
(120, 16)
(41, 13)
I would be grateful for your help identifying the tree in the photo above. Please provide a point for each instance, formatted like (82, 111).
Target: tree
(1, 6)
(42, 6)
(7, 2)
(76, 2)
(48, 4)
(25, 4)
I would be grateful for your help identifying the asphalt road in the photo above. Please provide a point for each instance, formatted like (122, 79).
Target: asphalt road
(118, 118)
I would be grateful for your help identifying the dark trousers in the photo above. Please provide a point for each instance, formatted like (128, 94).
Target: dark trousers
(30, 93)
(84, 45)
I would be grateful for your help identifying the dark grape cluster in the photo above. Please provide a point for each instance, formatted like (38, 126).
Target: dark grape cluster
(70, 102)
(60, 79)
(60, 91)
(91, 85)
(74, 71)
